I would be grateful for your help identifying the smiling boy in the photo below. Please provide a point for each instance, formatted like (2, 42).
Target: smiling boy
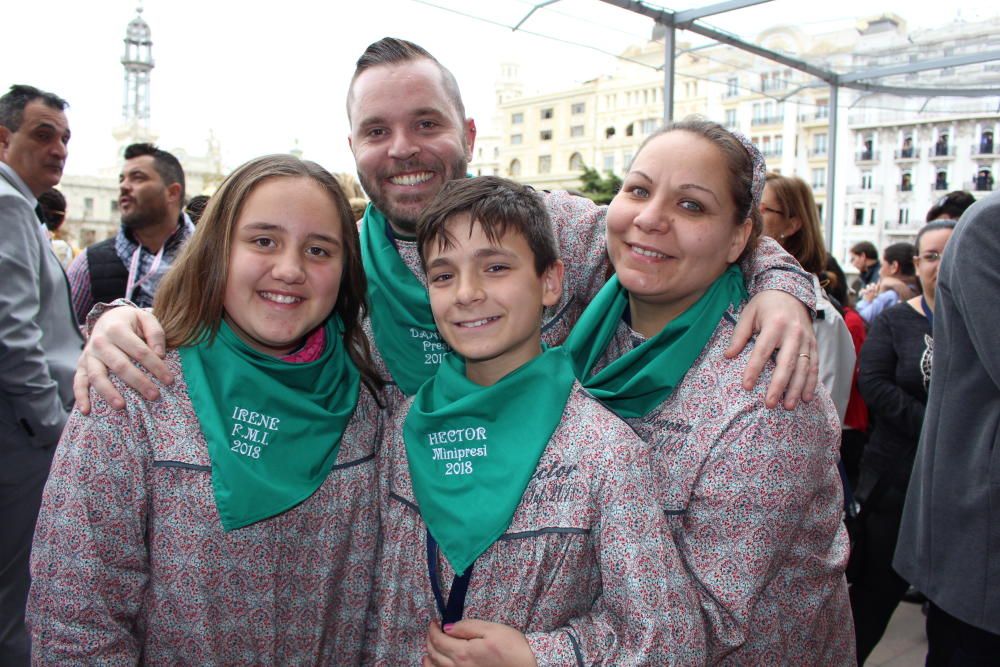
(514, 499)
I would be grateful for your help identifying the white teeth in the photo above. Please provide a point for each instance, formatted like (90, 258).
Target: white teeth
(648, 253)
(412, 179)
(477, 323)
(280, 298)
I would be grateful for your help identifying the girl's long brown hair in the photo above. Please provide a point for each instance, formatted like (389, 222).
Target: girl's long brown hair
(189, 300)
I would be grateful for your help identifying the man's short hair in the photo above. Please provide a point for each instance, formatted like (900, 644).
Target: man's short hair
(392, 51)
(866, 248)
(166, 165)
(19, 96)
(500, 206)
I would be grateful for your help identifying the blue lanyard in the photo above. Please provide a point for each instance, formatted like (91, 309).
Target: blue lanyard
(928, 313)
(452, 612)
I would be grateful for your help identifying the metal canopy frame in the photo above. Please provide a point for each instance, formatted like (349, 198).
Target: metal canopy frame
(859, 80)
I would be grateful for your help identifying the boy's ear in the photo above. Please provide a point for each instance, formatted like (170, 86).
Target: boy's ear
(552, 281)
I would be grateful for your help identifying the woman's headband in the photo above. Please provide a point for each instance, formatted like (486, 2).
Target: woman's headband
(759, 171)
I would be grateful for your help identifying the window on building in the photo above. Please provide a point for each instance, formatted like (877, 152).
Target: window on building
(576, 162)
(866, 180)
(859, 217)
(731, 118)
(906, 182)
(515, 167)
(822, 108)
(114, 207)
(516, 139)
(904, 216)
(871, 218)
(609, 162)
(779, 144)
(984, 180)
(819, 144)
(941, 145)
(578, 108)
(496, 152)
(628, 160)
(547, 113)
(819, 178)
(649, 125)
(545, 135)
(609, 132)
(517, 118)
(941, 180)
(576, 131)
(907, 149)
(732, 86)
(544, 164)
(630, 129)
(757, 112)
(88, 206)
(986, 142)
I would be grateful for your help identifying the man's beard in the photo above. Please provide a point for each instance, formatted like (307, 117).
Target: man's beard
(145, 216)
(403, 217)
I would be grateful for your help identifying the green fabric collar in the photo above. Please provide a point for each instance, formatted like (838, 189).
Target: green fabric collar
(400, 309)
(472, 449)
(273, 428)
(640, 380)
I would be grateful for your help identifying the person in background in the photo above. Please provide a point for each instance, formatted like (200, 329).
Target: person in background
(897, 282)
(53, 206)
(153, 231)
(895, 374)
(864, 257)
(39, 340)
(950, 528)
(792, 219)
(195, 207)
(951, 206)
(235, 520)
(855, 432)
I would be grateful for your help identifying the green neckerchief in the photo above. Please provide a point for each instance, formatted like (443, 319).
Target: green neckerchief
(472, 449)
(400, 311)
(642, 378)
(273, 427)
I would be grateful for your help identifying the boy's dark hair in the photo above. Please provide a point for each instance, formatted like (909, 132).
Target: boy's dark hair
(866, 248)
(902, 253)
(196, 207)
(951, 206)
(499, 206)
(19, 96)
(167, 166)
(392, 51)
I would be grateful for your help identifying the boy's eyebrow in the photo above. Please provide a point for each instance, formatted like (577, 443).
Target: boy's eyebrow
(479, 253)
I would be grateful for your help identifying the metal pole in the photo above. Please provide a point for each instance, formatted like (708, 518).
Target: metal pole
(831, 168)
(669, 34)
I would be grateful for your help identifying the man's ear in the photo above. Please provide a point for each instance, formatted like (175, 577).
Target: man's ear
(174, 193)
(470, 137)
(4, 139)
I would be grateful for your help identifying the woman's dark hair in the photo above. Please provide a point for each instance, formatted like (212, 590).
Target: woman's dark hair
(930, 227)
(951, 206)
(902, 253)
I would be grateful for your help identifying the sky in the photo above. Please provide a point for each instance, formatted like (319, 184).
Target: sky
(262, 76)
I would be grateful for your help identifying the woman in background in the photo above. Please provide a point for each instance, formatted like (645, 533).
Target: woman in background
(792, 219)
(895, 373)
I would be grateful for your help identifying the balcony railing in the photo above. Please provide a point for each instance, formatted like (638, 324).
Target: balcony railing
(911, 153)
(767, 120)
(865, 156)
(984, 150)
(980, 185)
(904, 188)
(939, 186)
(861, 190)
(941, 152)
(819, 152)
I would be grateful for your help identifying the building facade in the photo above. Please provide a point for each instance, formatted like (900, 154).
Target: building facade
(896, 156)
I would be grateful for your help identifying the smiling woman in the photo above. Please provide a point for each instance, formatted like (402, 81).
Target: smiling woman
(255, 468)
(753, 496)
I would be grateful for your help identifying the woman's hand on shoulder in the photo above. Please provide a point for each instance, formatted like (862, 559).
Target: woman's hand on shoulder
(784, 325)
(479, 643)
(120, 336)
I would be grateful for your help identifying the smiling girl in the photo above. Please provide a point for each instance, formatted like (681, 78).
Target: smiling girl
(232, 521)
(752, 495)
